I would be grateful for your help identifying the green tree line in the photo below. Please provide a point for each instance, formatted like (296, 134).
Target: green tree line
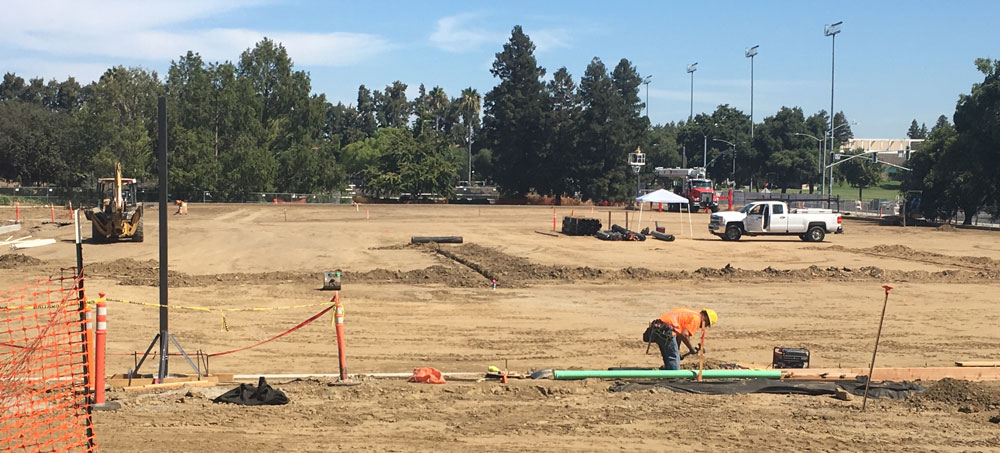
(256, 126)
(958, 166)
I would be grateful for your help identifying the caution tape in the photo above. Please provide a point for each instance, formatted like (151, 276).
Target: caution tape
(221, 310)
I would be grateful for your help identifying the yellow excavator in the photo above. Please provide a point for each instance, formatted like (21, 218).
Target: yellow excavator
(118, 216)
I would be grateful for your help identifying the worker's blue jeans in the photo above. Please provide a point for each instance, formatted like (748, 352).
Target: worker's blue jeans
(671, 354)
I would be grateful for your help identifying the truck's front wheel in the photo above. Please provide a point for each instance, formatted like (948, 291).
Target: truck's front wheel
(733, 233)
(816, 234)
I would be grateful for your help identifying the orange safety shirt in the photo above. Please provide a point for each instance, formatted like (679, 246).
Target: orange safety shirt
(682, 320)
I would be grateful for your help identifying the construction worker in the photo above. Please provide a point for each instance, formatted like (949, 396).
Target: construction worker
(675, 327)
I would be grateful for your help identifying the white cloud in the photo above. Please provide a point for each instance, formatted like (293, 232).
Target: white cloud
(466, 32)
(153, 31)
(28, 68)
(548, 39)
(461, 33)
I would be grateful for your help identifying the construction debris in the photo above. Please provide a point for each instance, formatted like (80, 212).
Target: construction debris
(18, 245)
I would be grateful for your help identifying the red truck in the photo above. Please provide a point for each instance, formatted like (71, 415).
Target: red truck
(693, 186)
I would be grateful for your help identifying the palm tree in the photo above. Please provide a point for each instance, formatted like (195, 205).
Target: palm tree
(438, 103)
(469, 106)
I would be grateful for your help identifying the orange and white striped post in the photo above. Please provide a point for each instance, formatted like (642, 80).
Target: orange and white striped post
(52, 207)
(101, 341)
(553, 219)
(90, 348)
(17, 212)
(338, 319)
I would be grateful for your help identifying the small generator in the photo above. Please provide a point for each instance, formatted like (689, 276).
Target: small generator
(331, 280)
(790, 358)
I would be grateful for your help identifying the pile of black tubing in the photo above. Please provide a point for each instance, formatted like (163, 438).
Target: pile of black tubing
(580, 226)
(617, 233)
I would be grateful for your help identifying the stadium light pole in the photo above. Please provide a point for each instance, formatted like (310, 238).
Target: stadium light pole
(831, 30)
(691, 69)
(751, 52)
(645, 81)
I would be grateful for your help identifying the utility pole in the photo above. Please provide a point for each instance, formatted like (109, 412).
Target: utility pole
(831, 31)
(751, 52)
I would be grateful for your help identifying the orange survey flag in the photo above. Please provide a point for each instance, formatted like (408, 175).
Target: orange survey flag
(427, 375)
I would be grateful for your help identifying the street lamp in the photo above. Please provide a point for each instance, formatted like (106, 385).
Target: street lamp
(645, 81)
(831, 133)
(751, 52)
(731, 144)
(832, 31)
(691, 69)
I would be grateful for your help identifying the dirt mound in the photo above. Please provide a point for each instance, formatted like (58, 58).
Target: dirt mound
(906, 253)
(962, 395)
(946, 227)
(15, 260)
(452, 276)
(131, 272)
(473, 266)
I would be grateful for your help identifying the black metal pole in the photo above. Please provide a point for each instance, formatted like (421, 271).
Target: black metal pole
(83, 333)
(161, 110)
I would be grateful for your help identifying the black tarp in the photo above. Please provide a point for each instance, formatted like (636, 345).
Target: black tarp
(248, 395)
(887, 389)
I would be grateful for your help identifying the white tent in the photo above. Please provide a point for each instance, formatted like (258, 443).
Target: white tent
(668, 197)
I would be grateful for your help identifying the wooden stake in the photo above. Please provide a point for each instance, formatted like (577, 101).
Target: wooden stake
(877, 336)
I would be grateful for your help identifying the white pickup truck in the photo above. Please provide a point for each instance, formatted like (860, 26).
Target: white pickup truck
(774, 218)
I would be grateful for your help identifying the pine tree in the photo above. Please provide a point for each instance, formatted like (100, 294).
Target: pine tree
(514, 115)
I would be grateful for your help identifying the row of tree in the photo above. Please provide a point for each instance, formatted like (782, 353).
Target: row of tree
(958, 165)
(255, 126)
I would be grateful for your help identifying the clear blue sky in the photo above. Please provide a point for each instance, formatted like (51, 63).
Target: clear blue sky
(896, 61)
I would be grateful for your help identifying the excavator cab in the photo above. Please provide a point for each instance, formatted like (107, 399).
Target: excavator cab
(118, 214)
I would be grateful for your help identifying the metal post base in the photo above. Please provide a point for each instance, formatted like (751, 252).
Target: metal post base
(135, 373)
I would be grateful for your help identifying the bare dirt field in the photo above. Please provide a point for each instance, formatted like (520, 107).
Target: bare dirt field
(561, 302)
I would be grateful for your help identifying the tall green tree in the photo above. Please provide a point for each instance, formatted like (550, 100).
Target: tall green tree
(514, 115)
(117, 124)
(861, 172)
(366, 112)
(563, 126)
(916, 131)
(601, 161)
(786, 159)
(393, 110)
(33, 143)
(975, 157)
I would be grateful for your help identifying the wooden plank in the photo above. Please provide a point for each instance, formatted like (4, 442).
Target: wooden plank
(172, 385)
(977, 364)
(121, 381)
(897, 374)
(9, 228)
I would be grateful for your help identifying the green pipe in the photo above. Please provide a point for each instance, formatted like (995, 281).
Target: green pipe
(666, 374)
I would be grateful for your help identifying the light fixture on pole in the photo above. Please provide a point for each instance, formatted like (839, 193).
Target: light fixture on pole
(751, 52)
(645, 81)
(832, 31)
(691, 69)
(637, 160)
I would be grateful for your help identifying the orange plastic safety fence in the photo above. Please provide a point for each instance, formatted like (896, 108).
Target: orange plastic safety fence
(44, 403)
